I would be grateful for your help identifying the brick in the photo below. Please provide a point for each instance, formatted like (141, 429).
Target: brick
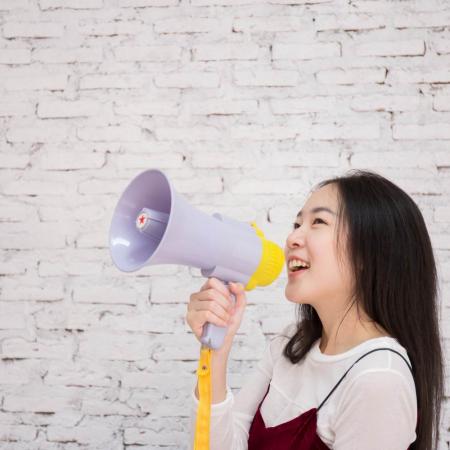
(329, 132)
(386, 103)
(222, 107)
(80, 214)
(162, 53)
(224, 52)
(70, 4)
(15, 290)
(306, 51)
(80, 373)
(105, 408)
(146, 3)
(421, 132)
(271, 23)
(44, 236)
(81, 435)
(349, 22)
(140, 436)
(142, 322)
(48, 348)
(140, 108)
(11, 318)
(441, 103)
(15, 109)
(143, 380)
(160, 160)
(442, 214)
(265, 77)
(418, 76)
(103, 81)
(352, 76)
(114, 133)
(443, 159)
(50, 82)
(68, 55)
(16, 372)
(299, 2)
(188, 80)
(442, 46)
(421, 20)
(263, 133)
(186, 25)
(415, 47)
(19, 433)
(124, 347)
(64, 109)
(33, 29)
(41, 133)
(13, 264)
(37, 403)
(37, 187)
(227, 160)
(15, 56)
(120, 27)
(264, 187)
(7, 5)
(397, 158)
(96, 186)
(302, 105)
(67, 160)
(98, 293)
(190, 134)
(14, 161)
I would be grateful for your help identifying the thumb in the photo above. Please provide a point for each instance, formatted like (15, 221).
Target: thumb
(239, 292)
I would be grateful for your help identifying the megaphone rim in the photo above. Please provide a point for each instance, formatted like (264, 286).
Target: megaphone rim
(134, 180)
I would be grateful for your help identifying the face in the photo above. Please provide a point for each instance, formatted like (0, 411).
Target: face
(328, 280)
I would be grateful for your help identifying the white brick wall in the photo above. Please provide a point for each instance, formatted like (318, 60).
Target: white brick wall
(245, 104)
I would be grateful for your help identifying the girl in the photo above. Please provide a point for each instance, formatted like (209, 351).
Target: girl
(362, 368)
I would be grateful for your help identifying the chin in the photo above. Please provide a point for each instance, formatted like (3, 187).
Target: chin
(295, 297)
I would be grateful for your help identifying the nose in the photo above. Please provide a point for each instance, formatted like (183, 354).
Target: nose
(295, 239)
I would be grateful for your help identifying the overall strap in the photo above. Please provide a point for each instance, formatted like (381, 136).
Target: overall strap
(368, 353)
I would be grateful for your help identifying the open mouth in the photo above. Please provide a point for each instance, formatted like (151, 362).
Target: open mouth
(296, 265)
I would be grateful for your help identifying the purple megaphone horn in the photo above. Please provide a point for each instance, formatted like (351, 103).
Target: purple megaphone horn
(152, 224)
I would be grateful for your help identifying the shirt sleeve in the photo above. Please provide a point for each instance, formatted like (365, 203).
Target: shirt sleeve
(231, 419)
(377, 410)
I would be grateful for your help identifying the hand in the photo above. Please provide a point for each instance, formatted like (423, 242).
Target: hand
(213, 304)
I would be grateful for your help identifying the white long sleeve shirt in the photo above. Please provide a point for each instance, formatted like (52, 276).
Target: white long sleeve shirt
(373, 408)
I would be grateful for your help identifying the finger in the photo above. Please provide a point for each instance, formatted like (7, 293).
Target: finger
(219, 285)
(227, 303)
(210, 317)
(215, 308)
(239, 292)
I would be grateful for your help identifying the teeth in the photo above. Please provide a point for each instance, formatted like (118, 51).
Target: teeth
(297, 263)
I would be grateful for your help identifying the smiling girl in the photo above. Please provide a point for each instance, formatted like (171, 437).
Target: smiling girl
(362, 367)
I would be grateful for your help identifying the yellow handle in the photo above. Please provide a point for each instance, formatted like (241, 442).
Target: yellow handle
(201, 440)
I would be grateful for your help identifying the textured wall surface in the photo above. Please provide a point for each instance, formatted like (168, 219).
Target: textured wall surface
(245, 104)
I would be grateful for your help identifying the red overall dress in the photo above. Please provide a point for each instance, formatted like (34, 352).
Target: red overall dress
(299, 433)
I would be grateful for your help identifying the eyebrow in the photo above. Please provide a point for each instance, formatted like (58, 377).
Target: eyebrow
(316, 210)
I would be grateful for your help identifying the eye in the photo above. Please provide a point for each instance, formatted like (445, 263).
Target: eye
(296, 225)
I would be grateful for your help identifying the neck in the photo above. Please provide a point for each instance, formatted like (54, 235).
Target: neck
(340, 333)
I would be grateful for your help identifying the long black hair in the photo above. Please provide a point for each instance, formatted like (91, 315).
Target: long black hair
(395, 282)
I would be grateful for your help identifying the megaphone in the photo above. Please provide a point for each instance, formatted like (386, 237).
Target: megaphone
(153, 224)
